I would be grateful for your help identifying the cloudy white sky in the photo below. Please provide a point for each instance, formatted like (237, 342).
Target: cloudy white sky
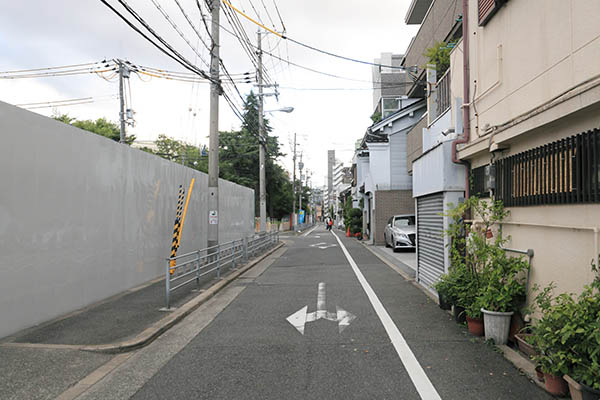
(41, 33)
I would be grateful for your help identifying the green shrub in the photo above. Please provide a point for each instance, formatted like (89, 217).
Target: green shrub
(568, 334)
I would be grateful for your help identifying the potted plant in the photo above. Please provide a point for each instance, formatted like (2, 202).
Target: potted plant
(525, 342)
(444, 288)
(467, 263)
(502, 295)
(475, 324)
(584, 377)
(568, 338)
(582, 336)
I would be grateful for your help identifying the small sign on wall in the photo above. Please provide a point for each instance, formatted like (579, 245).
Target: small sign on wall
(213, 217)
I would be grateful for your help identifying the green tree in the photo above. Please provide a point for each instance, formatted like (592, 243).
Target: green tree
(182, 153)
(439, 54)
(238, 156)
(101, 127)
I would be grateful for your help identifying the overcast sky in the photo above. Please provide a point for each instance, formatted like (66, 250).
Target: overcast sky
(41, 33)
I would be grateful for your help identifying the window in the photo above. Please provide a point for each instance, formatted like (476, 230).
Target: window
(477, 183)
(402, 222)
(389, 106)
(563, 172)
(487, 9)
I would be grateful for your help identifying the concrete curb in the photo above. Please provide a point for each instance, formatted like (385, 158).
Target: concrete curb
(158, 328)
(521, 363)
(403, 274)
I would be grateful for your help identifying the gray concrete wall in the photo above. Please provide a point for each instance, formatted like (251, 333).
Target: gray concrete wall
(83, 218)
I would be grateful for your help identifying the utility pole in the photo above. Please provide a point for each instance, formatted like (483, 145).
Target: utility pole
(294, 188)
(300, 166)
(261, 140)
(123, 71)
(213, 151)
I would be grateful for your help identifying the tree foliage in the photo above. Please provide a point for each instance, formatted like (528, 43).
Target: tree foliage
(439, 54)
(238, 160)
(101, 126)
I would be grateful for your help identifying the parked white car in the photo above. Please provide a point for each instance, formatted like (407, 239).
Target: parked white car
(400, 232)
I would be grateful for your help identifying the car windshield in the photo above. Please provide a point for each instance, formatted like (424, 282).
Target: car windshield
(402, 222)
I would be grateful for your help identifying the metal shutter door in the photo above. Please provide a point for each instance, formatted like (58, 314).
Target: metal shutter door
(430, 240)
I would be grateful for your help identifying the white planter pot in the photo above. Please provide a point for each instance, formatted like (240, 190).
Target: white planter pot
(497, 325)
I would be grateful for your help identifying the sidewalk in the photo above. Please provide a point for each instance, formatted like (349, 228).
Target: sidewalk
(405, 260)
(43, 361)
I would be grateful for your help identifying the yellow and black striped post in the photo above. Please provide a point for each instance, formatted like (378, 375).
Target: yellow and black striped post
(177, 228)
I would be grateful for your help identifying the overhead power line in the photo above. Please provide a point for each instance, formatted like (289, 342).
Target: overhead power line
(67, 102)
(283, 36)
(174, 54)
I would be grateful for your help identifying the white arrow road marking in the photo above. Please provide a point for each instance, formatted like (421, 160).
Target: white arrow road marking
(323, 245)
(298, 319)
(301, 317)
(415, 371)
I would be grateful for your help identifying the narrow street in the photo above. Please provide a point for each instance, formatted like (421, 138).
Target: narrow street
(367, 333)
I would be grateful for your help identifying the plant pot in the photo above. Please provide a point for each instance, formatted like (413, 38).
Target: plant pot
(444, 303)
(516, 324)
(555, 385)
(497, 325)
(539, 373)
(525, 347)
(459, 314)
(579, 391)
(475, 326)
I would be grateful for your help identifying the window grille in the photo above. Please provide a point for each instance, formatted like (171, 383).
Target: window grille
(563, 172)
(477, 183)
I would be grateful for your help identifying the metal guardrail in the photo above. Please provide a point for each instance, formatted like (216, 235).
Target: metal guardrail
(187, 268)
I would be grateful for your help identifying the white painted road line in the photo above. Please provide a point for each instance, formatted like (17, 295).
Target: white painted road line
(414, 369)
(310, 231)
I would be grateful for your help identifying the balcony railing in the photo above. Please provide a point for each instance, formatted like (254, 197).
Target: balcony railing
(443, 93)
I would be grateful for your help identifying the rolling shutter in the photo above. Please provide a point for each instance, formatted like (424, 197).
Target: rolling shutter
(430, 240)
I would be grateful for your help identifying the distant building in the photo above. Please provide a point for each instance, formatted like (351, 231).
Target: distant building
(389, 84)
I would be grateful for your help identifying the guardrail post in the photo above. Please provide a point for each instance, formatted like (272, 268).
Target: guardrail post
(233, 255)
(218, 261)
(168, 283)
(198, 268)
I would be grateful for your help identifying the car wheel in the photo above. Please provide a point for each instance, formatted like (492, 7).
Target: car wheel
(393, 244)
(385, 240)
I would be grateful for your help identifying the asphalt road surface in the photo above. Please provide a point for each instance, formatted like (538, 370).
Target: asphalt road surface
(323, 319)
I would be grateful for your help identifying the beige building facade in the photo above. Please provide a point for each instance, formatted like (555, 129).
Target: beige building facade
(534, 70)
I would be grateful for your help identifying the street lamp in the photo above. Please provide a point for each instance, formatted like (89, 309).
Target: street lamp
(261, 162)
(284, 109)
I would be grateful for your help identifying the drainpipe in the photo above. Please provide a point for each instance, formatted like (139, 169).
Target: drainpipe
(466, 95)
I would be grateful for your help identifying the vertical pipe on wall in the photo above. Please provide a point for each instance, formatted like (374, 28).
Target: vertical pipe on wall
(466, 94)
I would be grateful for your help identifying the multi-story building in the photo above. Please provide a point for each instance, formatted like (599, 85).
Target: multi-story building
(382, 180)
(436, 180)
(532, 101)
(389, 84)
